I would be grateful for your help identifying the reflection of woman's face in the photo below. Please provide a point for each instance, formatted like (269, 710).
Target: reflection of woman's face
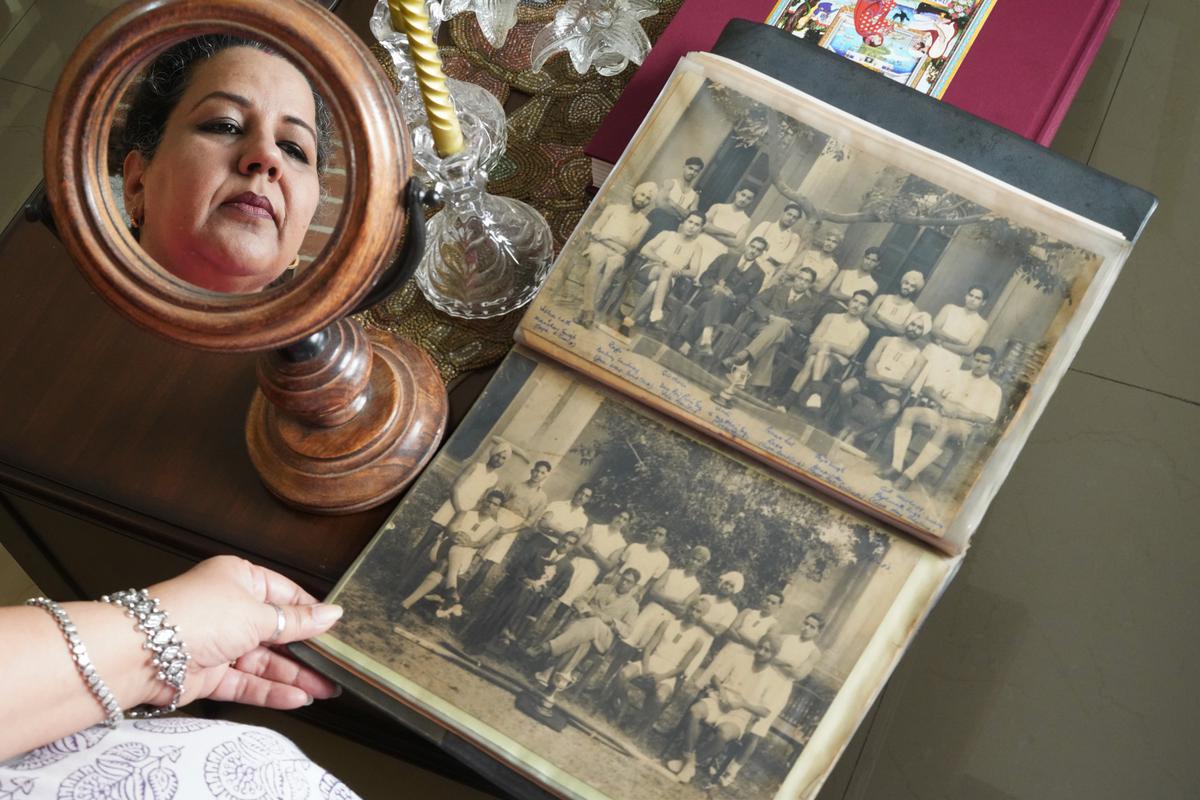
(228, 196)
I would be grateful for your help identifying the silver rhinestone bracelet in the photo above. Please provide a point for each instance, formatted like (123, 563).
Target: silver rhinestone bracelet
(169, 655)
(83, 662)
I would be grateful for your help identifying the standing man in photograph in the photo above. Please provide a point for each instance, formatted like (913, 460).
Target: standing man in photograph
(466, 492)
(524, 501)
(782, 238)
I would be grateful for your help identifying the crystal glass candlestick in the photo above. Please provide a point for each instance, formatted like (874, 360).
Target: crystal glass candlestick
(604, 34)
(485, 255)
(488, 120)
(495, 17)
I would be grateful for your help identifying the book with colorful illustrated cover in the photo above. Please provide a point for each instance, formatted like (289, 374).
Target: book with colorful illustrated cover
(1020, 71)
(779, 370)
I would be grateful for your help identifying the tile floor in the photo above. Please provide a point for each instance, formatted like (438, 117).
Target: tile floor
(1060, 664)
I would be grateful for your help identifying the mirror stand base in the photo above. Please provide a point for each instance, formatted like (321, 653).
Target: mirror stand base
(366, 460)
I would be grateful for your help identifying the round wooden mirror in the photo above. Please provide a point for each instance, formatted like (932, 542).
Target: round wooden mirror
(231, 182)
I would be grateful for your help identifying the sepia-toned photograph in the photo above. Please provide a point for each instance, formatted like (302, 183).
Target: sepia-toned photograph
(827, 303)
(610, 603)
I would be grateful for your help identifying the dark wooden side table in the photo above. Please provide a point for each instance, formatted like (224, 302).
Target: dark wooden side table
(122, 461)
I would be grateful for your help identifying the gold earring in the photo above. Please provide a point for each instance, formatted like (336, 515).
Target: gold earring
(134, 224)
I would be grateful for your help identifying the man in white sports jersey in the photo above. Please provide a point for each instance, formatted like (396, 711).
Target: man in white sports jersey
(736, 697)
(957, 407)
(619, 229)
(668, 654)
(869, 401)
(837, 339)
(795, 658)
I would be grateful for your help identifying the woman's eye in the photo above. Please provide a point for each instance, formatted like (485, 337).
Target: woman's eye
(295, 151)
(222, 126)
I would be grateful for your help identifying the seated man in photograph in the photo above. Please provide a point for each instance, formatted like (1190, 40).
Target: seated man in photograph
(889, 313)
(726, 287)
(869, 401)
(606, 611)
(667, 255)
(783, 241)
(734, 699)
(784, 311)
(820, 260)
(619, 229)
(466, 492)
(466, 533)
(502, 619)
(524, 501)
(670, 651)
(836, 340)
(956, 408)
(669, 596)
(599, 552)
(794, 659)
(559, 517)
(856, 279)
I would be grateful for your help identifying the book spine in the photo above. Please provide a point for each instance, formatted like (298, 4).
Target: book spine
(1081, 64)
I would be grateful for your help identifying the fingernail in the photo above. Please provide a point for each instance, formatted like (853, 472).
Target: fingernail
(337, 691)
(309, 701)
(327, 613)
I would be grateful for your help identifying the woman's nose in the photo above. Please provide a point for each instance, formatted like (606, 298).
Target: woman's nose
(263, 156)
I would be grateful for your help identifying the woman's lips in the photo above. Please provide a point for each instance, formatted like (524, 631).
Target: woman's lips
(252, 205)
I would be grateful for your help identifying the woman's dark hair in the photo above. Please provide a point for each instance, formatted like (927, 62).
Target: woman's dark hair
(163, 84)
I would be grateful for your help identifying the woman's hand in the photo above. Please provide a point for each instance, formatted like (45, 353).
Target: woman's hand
(224, 610)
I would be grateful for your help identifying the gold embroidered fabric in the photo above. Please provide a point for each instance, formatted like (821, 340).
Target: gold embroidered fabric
(545, 166)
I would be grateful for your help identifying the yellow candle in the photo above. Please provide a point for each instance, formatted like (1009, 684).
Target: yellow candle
(411, 17)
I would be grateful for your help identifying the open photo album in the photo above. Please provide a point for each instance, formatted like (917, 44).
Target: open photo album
(777, 374)
(857, 308)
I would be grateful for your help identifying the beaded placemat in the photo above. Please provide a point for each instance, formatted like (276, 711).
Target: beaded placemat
(545, 166)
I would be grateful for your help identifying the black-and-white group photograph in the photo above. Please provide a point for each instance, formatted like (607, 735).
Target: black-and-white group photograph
(837, 312)
(609, 601)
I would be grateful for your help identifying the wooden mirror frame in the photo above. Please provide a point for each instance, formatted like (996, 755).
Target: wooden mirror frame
(378, 163)
(344, 418)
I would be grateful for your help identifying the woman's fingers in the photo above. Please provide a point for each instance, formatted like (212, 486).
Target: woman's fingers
(242, 687)
(279, 589)
(279, 624)
(276, 667)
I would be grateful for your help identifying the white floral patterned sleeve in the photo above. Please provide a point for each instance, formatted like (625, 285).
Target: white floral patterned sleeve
(176, 758)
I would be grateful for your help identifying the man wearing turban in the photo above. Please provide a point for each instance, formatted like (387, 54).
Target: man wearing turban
(889, 313)
(869, 401)
(619, 229)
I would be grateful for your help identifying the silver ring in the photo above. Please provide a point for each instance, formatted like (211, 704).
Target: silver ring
(280, 623)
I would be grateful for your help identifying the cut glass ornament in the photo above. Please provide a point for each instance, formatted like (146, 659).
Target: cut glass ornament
(604, 34)
(485, 255)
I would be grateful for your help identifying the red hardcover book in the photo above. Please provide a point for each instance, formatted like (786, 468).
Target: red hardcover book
(1021, 72)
